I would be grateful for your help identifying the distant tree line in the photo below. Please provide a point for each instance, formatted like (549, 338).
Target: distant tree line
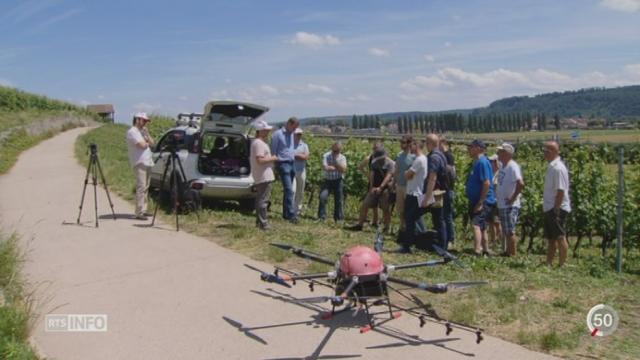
(455, 122)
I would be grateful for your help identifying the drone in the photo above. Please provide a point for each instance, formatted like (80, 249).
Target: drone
(361, 279)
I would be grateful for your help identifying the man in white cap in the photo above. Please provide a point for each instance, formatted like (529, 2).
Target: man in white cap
(139, 144)
(299, 165)
(262, 162)
(510, 185)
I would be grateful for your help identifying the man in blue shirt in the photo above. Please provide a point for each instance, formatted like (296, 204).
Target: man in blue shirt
(283, 146)
(479, 189)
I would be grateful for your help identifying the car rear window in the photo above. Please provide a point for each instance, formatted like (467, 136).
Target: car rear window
(178, 139)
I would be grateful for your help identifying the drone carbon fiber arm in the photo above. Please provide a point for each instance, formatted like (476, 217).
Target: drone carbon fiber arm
(295, 277)
(418, 264)
(304, 253)
(435, 288)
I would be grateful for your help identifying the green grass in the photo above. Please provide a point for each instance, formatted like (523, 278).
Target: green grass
(20, 131)
(15, 313)
(525, 302)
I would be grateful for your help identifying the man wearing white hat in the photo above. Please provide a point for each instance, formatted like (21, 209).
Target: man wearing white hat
(139, 144)
(510, 185)
(262, 162)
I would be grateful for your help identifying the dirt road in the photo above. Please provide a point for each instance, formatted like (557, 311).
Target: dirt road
(172, 295)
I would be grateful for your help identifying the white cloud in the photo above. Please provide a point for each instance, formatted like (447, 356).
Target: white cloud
(378, 52)
(359, 97)
(56, 19)
(220, 95)
(448, 44)
(100, 97)
(269, 90)
(633, 69)
(478, 89)
(421, 81)
(183, 98)
(429, 58)
(146, 107)
(319, 88)
(622, 5)
(314, 41)
(5, 82)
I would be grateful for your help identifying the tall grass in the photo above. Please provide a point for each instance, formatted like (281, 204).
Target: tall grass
(15, 306)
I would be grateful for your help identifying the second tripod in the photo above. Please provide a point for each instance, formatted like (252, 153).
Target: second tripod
(94, 169)
(177, 177)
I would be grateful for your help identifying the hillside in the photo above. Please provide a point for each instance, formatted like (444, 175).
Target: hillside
(621, 103)
(26, 119)
(612, 104)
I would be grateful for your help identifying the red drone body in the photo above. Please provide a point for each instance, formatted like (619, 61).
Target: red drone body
(361, 261)
(360, 279)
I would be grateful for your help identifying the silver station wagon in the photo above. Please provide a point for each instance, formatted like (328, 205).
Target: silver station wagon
(214, 151)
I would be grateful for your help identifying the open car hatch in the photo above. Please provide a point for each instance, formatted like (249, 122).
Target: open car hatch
(231, 116)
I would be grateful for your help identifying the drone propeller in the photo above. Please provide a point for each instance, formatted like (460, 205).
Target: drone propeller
(335, 300)
(303, 253)
(272, 278)
(448, 256)
(436, 288)
(465, 284)
(427, 309)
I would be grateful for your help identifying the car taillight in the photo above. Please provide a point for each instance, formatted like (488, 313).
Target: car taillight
(196, 147)
(197, 186)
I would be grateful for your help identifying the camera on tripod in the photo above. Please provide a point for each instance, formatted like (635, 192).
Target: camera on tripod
(173, 142)
(93, 148)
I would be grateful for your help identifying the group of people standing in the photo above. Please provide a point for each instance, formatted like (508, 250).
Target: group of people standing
(490, 193)
(419, 181)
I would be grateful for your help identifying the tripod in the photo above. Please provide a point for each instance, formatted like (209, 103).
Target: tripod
(94, 168)
(173, 162)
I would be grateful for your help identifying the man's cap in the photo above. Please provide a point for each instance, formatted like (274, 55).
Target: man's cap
(478, 143)
(506, 147)
(141, 115)
(379, 154)
(298, 131)
(493, 157)
(261, 125)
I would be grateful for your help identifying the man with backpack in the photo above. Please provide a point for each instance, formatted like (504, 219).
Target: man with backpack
(436, 185)
(448, 209)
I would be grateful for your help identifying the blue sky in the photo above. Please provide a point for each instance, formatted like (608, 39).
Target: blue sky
(314, 58)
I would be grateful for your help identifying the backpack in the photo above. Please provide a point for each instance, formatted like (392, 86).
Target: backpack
(189, 200)
(450, 176)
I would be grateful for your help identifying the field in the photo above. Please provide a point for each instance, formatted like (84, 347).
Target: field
(596, 136)
(584, 136)
(526, 302)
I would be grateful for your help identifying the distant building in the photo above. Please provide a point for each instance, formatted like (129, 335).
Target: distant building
(621, 125)
(105, 111)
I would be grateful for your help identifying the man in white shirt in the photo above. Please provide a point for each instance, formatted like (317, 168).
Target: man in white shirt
(415, 175)
(299, 165)
(262, 163)
(508, 190)
(556, 203)
(139, 144)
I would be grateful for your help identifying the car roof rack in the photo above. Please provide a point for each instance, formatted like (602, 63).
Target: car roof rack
(189, 119)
